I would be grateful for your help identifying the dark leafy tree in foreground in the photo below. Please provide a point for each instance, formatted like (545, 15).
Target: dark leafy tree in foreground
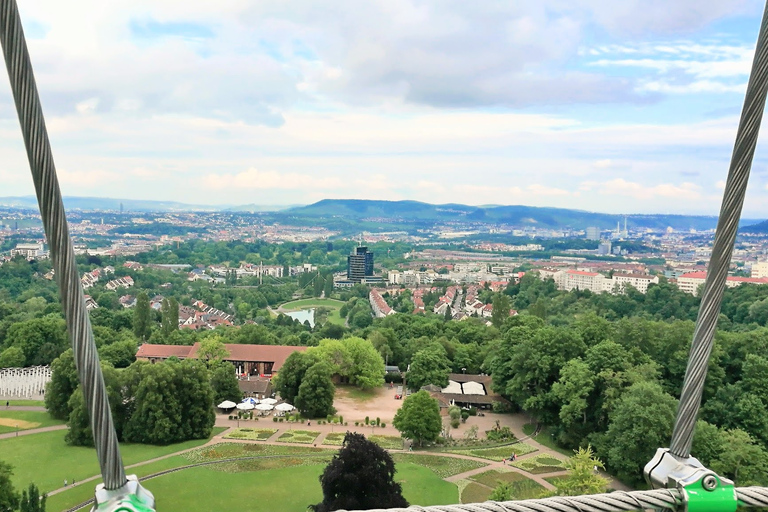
(9, 499)
(360, 477)
(31, 501)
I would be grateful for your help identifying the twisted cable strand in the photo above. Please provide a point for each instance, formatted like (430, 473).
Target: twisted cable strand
(658, 499)
(52, 212)
(727, 226)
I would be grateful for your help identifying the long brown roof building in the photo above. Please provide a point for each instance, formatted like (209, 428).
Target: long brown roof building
(263, 360)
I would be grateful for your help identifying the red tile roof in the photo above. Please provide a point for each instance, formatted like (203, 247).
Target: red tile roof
(275, 354)
(163, 351)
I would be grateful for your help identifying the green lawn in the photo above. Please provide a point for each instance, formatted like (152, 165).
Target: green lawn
(25, 420)
(334, 438)
(475, 493)
(498, 453)
(334, 305)
(254, 434)
(47, 460)
(441, 466)
(28, 403)
(358, 394)
(545, 438)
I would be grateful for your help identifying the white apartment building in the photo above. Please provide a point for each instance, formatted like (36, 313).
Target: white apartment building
(638, 281)
(759, 270)
(29, 251)
(592, 281)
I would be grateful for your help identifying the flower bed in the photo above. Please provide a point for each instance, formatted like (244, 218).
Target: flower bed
(334, 438)
(441, 466)
(523, 488)
(260, 434)
(387, 442)
(232, 450)
(299, 436)
(540, 464)
(498, 453)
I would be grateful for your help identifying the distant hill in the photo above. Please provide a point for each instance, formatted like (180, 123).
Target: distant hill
(516, 215)
(760, 227)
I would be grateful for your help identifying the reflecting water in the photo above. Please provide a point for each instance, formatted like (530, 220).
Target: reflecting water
(304, 314)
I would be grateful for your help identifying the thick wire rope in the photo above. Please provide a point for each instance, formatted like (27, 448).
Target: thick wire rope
(62, 253)
(611, 502)
(727, 226)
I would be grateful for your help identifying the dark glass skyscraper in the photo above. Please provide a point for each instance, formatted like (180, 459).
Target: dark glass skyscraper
(359, 264)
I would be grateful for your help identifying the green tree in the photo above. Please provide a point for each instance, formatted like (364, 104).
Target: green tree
(360, 476)
(315, 398)
(224, 383)
(640, 423)
(12, 357)
(31, 501)
(419, 418)
(742, 460)
(142, 322)
(42, 339)
(429, 366)
(502, 492)
(169, 316)
(212, 350)
(582, 477)
(291, 374)
(9, 498)
(501, 306)
(63, 383)
(366, 365)
(120, 354)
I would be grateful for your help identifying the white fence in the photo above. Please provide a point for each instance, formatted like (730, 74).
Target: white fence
(24, 382)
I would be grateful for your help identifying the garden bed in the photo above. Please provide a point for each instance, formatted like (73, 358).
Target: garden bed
(498, 453)
(387, 442)
(299, 436)
(523, 488)
(540, 464)
(442, 466)
(334, 438)
(258, 434)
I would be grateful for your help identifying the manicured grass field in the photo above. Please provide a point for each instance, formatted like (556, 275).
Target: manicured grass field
(545, 438)
(498, 453)
(358, 394)
(299, 436)
(257, 434)
(334, 305)
(25, 420)
(441, 466)
(540, 464)
(27, 403)
(47, 460)
(475, 493)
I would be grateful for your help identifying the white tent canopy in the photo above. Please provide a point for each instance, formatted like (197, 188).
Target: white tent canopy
(245, 406)
(270, 401)
(250, 400)
(264, 407)
(226, 404)
(285, 406)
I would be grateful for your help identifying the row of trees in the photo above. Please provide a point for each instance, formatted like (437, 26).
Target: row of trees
(11, 501)
(151, 403)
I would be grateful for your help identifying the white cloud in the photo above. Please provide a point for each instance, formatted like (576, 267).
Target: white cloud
(266, 180)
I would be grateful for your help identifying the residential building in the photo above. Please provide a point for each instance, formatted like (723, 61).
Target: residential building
(29, 251)
(638, 281)
(379, 305)
(759, 270)
(592, 281)
(693, 281)
(359, 264)
(593, 233)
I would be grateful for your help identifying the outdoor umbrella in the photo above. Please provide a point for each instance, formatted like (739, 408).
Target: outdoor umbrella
(285, 406)
(270, 401)
(264, 407)
(245, 406)
(226, 404)
(250, 400)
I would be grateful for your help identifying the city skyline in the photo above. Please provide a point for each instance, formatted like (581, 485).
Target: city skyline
(585, 105)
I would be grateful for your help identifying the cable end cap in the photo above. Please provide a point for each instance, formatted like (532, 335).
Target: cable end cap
(131, 497)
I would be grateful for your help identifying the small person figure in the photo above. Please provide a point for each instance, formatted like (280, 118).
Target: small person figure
(410, 448)
(7, 404)
(504, 461)
(65, 482)
(73, 482)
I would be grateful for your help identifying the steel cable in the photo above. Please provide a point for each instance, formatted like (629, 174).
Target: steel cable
(727, 226)
(41, 163)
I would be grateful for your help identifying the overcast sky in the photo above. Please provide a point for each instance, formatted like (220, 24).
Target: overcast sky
(615, 106)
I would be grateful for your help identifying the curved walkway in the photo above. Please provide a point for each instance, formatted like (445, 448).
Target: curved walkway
(32, 431)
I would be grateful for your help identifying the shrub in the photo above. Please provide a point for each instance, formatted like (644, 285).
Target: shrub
(500, 434)
(378, 421)
(367, 420)
(346, 424)
(455, 423)
(231, 417)
(501, 407)
(274, 418)
(454, 412)
(341, 420)
(357, 423)
(473, 411)
(393, 377)
(464, 415)
(383, 425)
(280, 420)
